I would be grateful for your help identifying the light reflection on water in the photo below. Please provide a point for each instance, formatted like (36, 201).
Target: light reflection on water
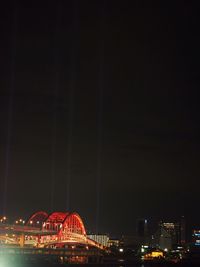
(5, 263)
(10, 261)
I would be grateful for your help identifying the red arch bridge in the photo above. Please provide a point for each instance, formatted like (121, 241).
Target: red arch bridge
(55, 230)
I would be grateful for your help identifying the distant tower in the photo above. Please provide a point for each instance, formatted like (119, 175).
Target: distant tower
(142, 231)
(183, 231)
(142, 228)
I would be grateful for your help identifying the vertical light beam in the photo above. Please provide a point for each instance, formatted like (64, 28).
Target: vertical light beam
(10, 110)
(100, 115)
(72, 85)
(55, 105)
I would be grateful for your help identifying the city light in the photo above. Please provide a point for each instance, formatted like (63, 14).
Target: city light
(60, 228)
(3, 219)
(63, 226)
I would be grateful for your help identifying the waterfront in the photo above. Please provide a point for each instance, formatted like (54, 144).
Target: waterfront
(38, 264)
(46, 261)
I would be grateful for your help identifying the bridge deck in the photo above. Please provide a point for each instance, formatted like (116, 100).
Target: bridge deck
(27, 230)
(48, 251)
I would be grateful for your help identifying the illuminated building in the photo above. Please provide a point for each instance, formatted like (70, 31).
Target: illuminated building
(169, 235)
(174, 229)
(101, 239)
(154, 254)
(196, 237)
(113, 242)
(148, 253)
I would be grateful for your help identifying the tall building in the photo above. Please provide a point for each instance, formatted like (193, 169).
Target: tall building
(142, 232)
(177, 230)
(183, 231)
(142, 228)
(162, 239)
(174, 230)
(165, 239)
(170, 234)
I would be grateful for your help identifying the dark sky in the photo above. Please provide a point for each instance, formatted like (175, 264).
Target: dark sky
(100, 94)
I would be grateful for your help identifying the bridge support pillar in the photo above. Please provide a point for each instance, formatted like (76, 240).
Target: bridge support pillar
(38, 240)
(22, 240)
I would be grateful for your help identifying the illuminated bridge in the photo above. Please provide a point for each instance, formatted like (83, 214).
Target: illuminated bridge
(55, 230)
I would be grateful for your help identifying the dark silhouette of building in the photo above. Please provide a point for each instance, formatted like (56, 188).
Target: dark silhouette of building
(183, 231)
(142, 228)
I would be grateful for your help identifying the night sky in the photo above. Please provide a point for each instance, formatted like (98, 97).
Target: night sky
(99, 110)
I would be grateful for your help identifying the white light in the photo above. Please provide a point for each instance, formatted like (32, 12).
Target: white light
(121, 250)
(165, 249)
(4, 262)
(142, 249)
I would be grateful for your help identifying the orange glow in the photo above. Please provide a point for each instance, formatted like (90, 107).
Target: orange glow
(153, 255)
